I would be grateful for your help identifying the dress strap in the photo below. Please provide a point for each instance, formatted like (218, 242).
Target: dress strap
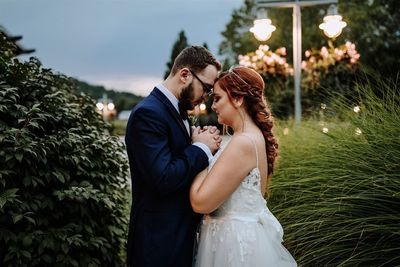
(254, 143)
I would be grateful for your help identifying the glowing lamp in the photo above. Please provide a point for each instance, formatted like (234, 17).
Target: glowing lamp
(262, 28)
(333, 24)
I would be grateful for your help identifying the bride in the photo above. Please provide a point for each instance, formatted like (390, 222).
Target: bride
(238, 229)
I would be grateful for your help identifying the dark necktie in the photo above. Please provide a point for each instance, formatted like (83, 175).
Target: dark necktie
(183, 112)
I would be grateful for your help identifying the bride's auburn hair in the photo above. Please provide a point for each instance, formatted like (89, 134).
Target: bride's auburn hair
(247, 83)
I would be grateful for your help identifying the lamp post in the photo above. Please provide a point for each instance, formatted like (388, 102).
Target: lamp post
(296, 5)
(105, 107)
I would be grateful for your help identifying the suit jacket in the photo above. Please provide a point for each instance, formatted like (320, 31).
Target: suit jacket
(163, 164)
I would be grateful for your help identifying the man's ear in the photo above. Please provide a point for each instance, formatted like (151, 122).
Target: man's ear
(184, 74)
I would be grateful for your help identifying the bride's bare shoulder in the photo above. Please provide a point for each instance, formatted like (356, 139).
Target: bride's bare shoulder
(241, 143)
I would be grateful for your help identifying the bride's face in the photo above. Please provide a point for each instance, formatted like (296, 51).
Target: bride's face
(223, 106)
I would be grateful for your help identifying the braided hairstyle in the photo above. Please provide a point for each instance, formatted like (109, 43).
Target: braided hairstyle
(247, 83)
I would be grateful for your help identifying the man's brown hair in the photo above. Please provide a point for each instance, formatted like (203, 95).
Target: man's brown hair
(195, 58)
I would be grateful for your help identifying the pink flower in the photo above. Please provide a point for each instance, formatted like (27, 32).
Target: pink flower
(324, 52)
(259, 53)
(282, 50)
(263, 48)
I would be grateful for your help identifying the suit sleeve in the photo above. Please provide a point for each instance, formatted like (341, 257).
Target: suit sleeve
(153, 156)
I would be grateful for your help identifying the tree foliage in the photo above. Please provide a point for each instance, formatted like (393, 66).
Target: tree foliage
(276, 72)
(236, 38)
(372, 26)
(62, 177)
(180, 44)
(324, 70)
(121, 100)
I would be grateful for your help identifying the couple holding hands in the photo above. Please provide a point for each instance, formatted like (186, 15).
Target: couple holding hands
(198, 201)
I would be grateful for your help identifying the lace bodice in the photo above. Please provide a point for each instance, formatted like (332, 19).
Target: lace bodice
(242, 231)
(247, 198)
(247, 202)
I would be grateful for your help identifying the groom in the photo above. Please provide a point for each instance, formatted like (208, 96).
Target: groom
(164, 157)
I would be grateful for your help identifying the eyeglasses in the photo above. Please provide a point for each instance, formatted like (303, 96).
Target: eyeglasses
(207, 88)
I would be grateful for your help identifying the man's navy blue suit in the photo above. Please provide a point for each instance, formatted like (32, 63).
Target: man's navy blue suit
(163, 164)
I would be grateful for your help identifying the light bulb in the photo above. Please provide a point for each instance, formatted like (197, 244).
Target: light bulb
(262, 29)
(333, 25)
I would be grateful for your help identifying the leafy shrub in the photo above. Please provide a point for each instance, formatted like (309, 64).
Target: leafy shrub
(337, 193)
(326, 70)
(277, 73)
(323, 71)
(62, 178)
(118, 127)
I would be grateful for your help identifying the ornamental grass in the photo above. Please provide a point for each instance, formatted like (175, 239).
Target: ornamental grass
(336, 190)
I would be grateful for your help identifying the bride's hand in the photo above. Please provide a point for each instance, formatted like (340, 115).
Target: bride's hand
(208, 135)
(212, 130)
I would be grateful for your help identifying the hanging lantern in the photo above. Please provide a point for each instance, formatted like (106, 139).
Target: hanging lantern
(262, 28)
(333, 24)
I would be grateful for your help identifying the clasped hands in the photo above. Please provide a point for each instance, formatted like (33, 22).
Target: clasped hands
(208, 135)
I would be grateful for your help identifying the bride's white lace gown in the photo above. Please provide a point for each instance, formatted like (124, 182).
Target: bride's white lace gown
(242, 231)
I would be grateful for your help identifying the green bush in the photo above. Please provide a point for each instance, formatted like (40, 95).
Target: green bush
(118, 127)
(327, 70)
(63, 195)
(276, 73)
(337, 193)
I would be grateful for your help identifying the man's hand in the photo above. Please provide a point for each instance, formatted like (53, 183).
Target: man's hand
(208, 135)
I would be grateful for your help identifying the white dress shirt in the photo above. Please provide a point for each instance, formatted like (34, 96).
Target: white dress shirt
(174, 101)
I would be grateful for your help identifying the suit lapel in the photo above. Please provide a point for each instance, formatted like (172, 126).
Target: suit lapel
(190, 128)
(173, 112)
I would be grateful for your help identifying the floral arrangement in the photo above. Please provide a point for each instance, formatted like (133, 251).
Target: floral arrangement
(267, 62)
(328, 64)
(325, 70)
(326, 57)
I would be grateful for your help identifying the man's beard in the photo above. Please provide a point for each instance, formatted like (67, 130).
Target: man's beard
(186, 97)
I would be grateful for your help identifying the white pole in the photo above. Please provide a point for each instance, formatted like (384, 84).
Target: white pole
(297, 61)
(296, 4)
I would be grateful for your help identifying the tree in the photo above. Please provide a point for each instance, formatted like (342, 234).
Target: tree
(121, 100)
(372, 26)
(180, 44)
(236, 38)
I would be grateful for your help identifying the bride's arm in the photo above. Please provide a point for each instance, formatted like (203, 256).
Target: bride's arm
(198, 180)
(210, 190)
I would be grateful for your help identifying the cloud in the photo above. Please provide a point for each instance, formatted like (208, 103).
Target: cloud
(137, 84)
(121, 44)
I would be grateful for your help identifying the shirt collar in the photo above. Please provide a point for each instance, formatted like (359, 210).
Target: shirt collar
(174, 101)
